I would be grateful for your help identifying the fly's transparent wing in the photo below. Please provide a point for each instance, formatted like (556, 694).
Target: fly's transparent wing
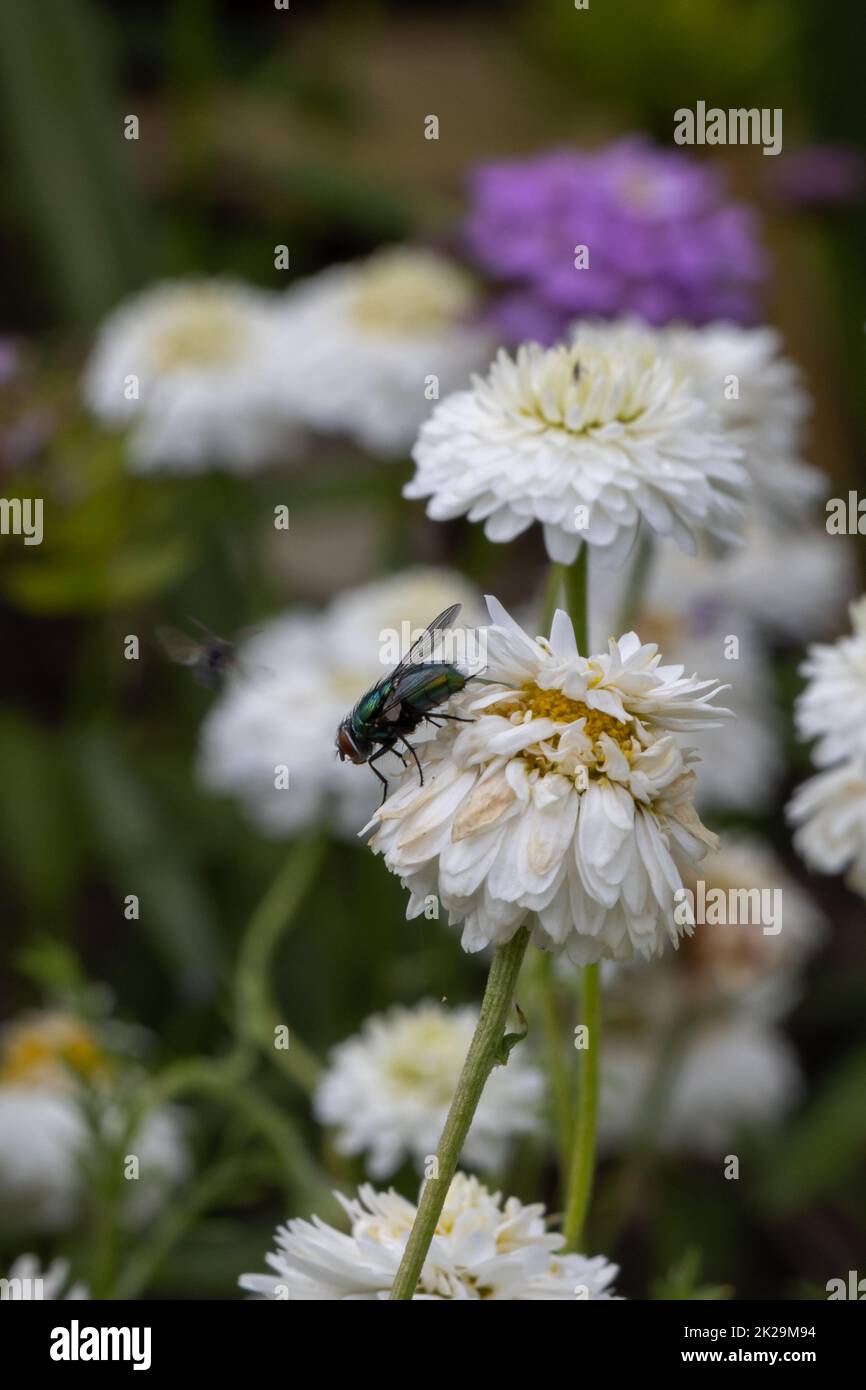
(207, 633)
(423, 649)
(410, 682)
(178, 646)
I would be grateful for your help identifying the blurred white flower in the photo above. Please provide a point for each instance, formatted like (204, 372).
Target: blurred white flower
(297, 678)
(791, 585)
(589, 439)
(194, 368)
(832, 708)
(829, 811)
(378, 338)
(740, 772)
(689, 615)
(693, 1053)
(483, 1248)
(388, 1090)
(45, 1138)
(750, 951)
(759, 396)
(26, 1280)
(41, 1138)
(730, 1074)
(566, 801)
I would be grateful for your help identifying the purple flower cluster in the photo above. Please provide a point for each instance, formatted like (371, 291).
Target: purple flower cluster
(664, 240)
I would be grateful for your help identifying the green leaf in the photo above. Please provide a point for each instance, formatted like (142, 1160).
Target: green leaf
(510, 1040)
(67, 138)
(79, 585)
(53, 966)
(38, 850)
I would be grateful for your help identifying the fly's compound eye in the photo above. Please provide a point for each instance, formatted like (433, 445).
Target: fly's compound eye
(345, 745)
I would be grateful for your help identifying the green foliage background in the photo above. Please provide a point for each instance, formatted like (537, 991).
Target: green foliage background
(260, 127)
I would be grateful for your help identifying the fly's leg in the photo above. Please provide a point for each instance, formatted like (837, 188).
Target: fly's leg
(383, 780)
(407, 744)
(456, 718)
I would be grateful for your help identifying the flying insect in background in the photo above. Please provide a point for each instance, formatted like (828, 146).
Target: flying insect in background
(397, 704)
(210, 658)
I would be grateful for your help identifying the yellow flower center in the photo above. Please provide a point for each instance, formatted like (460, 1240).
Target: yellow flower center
(429, 1061)
(580, 388)
(45, 1049)
(553, 704)
(204, 333)
(409, 292)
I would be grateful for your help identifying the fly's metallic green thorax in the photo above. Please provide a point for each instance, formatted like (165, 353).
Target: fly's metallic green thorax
(398, 703)
(415, 693)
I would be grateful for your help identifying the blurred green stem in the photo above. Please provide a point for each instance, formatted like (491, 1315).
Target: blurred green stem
(106, 1219)
(218, 1183)
(637, 581)
(560, 1081)
(229, 1081)
(480, 1060)
(568, 584)
(583, 1155)
(256, 1017)
(552, 595)
(576, 585)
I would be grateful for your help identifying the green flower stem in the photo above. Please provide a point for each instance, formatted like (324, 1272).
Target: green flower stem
(576, 585)
(255, 1014)
(229, 1082)
(560, 1080)
(583, 1155)
(637, 581)
(552, 597)
(480, 1060)
(582, 1158)
(219, 1183)
(568, 584)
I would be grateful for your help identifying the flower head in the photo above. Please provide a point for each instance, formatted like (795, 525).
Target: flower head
(706, 1020)
(191, 367)
(829, 811)
(45, 1060)
(664, 240)
(566, 800)
(374, 335)
(484, 1248)
(832, 708)
(732, 1072)
(387, 1090)
(588, 439)
(760, 928)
